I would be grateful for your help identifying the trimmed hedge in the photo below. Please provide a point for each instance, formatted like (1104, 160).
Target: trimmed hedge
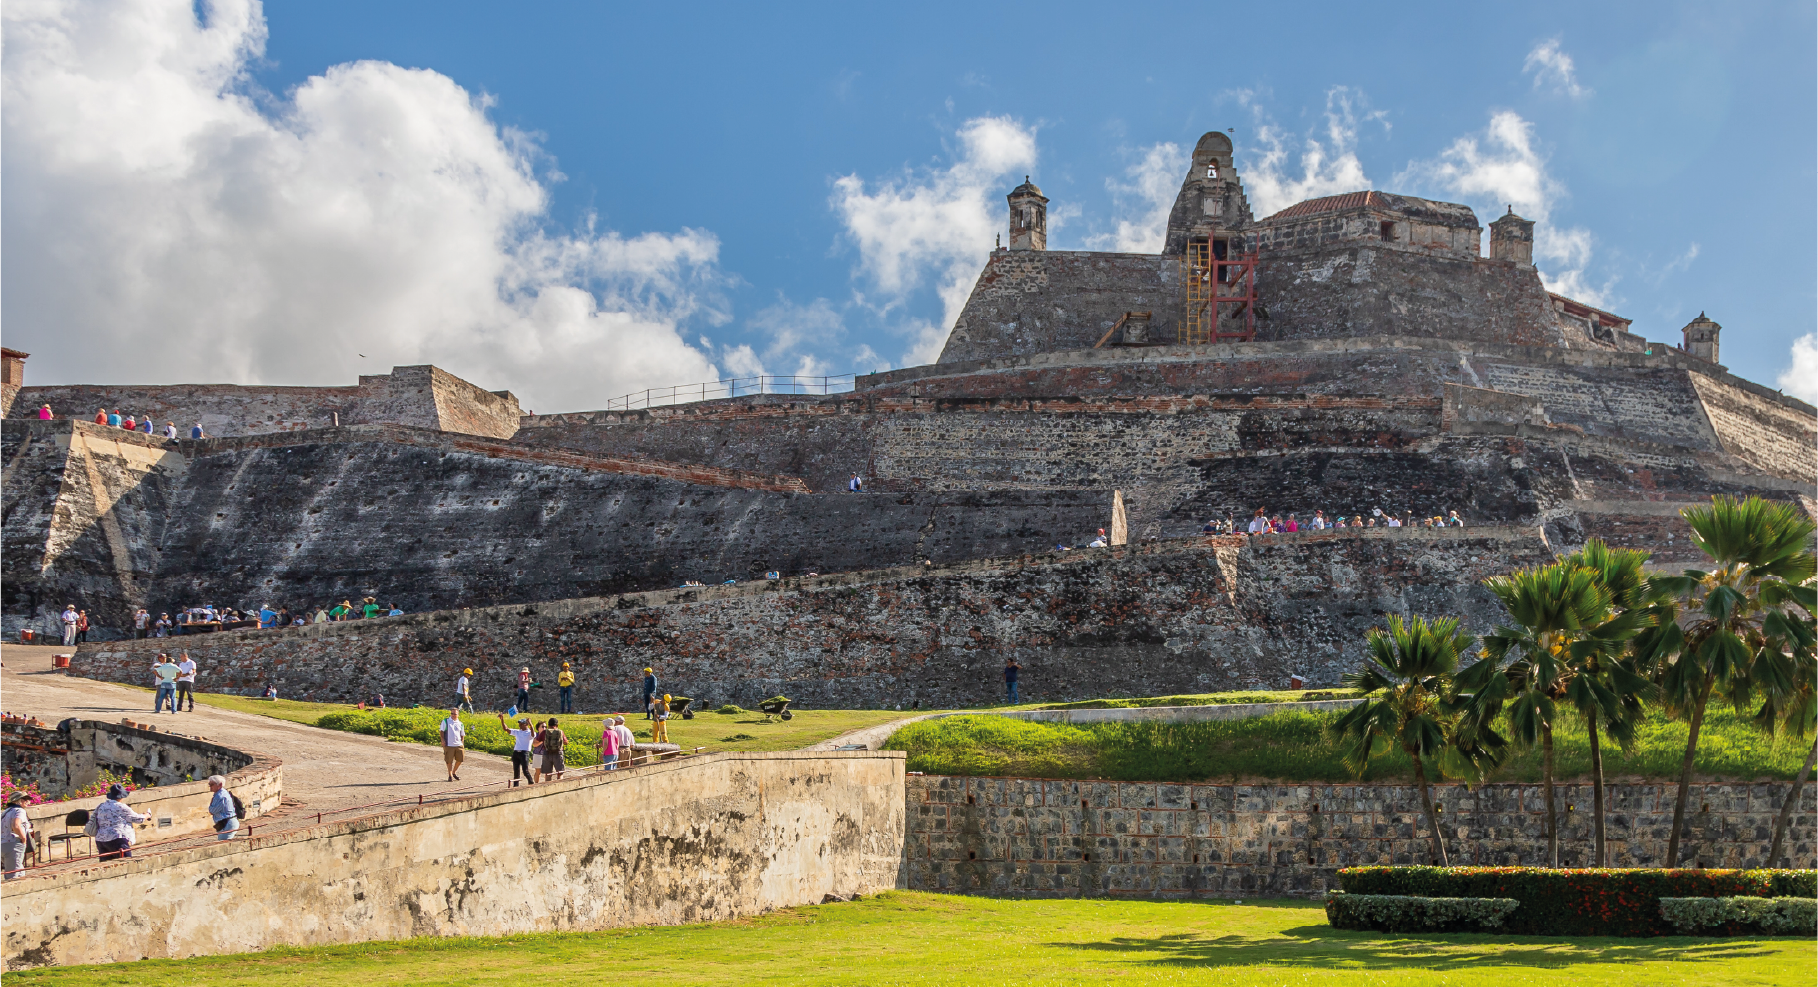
(1406, 913)
(1738, 916)
(1579, 902)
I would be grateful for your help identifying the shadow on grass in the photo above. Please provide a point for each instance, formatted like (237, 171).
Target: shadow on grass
(1324, 946)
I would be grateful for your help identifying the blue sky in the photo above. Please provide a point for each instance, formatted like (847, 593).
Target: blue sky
(812, 188)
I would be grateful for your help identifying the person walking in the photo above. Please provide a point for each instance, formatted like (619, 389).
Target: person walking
(167, 672)
(650, 687)
(565, 682)
(627, 739)
(15, 837)
(114, 821)
(454, 742)
(70, 617)
(523, 703)
(224, 808)
(462, 699)
(555, 761)
(1011, 670)
(609, 746)
(186, 684)
(521, 739)
(659, 734)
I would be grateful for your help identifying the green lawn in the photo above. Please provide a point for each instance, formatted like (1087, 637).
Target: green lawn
(1292, 746)
(746, 730)
(913, 938)
(1204, 699)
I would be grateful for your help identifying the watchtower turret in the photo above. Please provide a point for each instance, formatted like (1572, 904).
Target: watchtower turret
(1512, 238)
(1028, 217)
(1701, 338)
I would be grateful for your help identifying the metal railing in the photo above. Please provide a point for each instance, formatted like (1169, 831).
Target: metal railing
(731, 387)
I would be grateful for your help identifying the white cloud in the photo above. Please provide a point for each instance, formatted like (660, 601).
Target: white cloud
(164, 223)
(1800, 379)
(1142, 201)
(1500, 168)
(1553, 70)
(801, 336)
(934, 227)
(1327, 167)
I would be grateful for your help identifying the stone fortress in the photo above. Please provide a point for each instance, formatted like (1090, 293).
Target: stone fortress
(1349, 353)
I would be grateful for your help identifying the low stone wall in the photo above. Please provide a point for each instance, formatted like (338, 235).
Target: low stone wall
(717, 837)
(1190, 616)
(1043, 838)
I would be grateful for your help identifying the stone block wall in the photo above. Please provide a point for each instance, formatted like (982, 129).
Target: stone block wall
(1034, 301)
(1047, 838)
(724, 836)
(1174, 617)
(1775, 434)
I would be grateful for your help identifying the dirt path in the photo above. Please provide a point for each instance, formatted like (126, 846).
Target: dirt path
(324, 770)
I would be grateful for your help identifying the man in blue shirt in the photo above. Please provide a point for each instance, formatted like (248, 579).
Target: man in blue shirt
(1011, 668)
(221, 809)
(195, 432)
(649, 693)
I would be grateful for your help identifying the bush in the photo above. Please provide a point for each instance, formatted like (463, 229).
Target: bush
(1408, 913)
(1577, 902)
(1742, 916)
(729, 709)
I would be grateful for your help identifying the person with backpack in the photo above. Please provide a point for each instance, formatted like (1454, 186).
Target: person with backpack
(554, 761)
(225, 807)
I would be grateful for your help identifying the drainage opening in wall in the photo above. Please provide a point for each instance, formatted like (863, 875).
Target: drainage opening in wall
(1196, 858)
(971, 854)
(969, 800)
(1088, 858)
(1083, 804)
(1193, 805)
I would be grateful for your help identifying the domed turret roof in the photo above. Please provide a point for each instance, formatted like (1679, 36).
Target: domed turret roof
(1027, 188)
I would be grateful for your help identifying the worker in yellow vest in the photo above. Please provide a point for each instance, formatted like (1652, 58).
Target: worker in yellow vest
(659, 734)
(566, 681)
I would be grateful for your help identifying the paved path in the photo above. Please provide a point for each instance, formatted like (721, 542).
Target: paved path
(324, 770)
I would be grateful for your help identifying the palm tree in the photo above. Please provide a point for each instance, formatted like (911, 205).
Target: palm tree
(1606, 683)
(1527, 666)
(1733, 616)
(1795, 713)
(1408, 702)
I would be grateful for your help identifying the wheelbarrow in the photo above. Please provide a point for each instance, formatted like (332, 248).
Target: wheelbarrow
(678, 706)
(778, 706)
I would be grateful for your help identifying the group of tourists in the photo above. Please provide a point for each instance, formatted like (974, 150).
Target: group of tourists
(538, 750)
(1262, 523)
(208, 617)
(112, 825)
(140, 423)
(175, 682)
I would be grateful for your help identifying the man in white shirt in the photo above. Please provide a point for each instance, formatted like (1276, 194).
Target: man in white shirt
(1319, 520)
(462, 698)
(521, 739)
(626, 739)
(186, 684)
(69, 625)
(1259, 523)
(142, 620)
(454, 743)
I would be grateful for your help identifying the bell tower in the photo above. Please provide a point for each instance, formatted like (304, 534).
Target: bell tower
(1701, 338)
(1211, 198)
(1028, 217)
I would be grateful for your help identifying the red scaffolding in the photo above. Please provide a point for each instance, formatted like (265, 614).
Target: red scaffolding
(1218, 291)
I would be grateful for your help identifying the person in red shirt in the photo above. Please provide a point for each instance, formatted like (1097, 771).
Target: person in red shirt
(101, 417)
(130, 423)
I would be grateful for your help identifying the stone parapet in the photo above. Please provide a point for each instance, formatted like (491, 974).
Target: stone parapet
(1058, 838)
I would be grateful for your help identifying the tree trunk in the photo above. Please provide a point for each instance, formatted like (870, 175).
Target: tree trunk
(1685, 770)
(1597, 789)
(1791, 805)
(1426, 802)
(1546, 747)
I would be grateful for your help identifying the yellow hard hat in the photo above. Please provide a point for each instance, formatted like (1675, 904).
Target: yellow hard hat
(564, 664)
(466, 671)
(646, 669)
(665, 697)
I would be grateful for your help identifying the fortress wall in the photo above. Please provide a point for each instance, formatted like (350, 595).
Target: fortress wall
(1658, 406)
(1777, 436)
(1032, 301)
(1372, 289)
(85, 514)
(427, 528)
(1174, 617)
(723, 836)
(1030, 837)
(419, 396)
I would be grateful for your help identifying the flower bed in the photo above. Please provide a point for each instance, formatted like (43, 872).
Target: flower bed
(33, 796)
(1580, 902)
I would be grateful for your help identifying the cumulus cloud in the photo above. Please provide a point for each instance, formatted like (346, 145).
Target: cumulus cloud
(165, 222)
(1327, 166)
(934, 226)
(1553, 70)
(1141, 200)
(1800, 378)
(1500, 168)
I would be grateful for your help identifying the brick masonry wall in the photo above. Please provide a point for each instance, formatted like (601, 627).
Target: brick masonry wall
(1044, 838)
(1194, 616)
(1031, 301)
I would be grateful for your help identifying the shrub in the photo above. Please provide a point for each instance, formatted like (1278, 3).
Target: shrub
(729, 709)
(1742, 916)
(1408, 913)
(1576, 902)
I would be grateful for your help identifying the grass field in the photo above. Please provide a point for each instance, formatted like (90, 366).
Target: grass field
(1204, 699)
(1292, 746)
(745, 730)
(913, 938)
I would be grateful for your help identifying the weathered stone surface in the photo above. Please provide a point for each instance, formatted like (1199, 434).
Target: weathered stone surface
(1045, 838)
(1194, 616)
(719, 837)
